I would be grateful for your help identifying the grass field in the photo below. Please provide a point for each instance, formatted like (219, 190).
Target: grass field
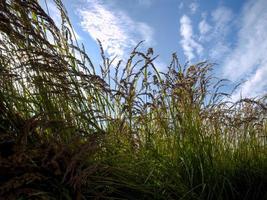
(70, 130)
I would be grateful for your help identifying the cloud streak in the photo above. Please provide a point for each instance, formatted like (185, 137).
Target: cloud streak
(146, 3)
(248, 59)
(204, 27)
(114, 28)
(190, 46)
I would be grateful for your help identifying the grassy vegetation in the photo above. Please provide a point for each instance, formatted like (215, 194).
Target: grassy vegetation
(127, 132)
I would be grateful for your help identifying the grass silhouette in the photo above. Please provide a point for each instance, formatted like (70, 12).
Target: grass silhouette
(127, 132)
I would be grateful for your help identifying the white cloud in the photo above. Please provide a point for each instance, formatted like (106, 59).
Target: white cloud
(204, 27)
(220, 50)
(213, 32)
(115, 29)
(221, 19)
(190, 46)
(248, 59)
(146, 32)
(221, 16)
(256, 85)
(146, 3)
(193, 7)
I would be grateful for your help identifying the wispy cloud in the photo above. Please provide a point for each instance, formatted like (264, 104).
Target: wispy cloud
(222, 19)
(190, 46)
(114, 28)
(248, 60)
(220, 50)
(146, 3)
(204, 27)
(193, 7)
(213, 31)
(243, 58)
(255, 86)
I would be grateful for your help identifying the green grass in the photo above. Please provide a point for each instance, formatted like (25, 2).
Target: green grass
(70, 130)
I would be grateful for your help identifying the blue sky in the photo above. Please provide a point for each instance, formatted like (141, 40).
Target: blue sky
(231, 33)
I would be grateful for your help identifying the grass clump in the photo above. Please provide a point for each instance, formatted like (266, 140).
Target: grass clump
(127, 132)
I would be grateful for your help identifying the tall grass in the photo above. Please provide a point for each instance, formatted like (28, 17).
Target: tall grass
(127, 132)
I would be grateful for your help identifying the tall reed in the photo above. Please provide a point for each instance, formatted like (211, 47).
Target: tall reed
(127, 132)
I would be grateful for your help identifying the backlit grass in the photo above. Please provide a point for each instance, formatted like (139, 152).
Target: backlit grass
(71, 130)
